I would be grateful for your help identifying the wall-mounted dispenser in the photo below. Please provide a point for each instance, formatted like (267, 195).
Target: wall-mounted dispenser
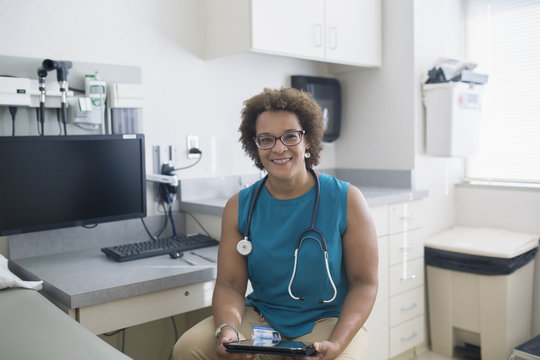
(327, 93)
(88, 111)
(126, 102)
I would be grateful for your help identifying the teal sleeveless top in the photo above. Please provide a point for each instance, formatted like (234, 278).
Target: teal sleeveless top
(275, 227)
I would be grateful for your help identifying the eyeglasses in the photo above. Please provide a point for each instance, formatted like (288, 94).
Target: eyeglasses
(291, 138)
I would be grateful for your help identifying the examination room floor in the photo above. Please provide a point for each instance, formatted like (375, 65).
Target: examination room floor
(428, 355)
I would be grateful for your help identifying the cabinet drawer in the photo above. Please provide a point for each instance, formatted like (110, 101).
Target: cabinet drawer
(380, 218)
(405, 216)
(406, 336)
(407, 306)
(406, 246)
(406, 276)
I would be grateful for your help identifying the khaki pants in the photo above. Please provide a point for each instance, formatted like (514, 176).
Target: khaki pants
(199, 342)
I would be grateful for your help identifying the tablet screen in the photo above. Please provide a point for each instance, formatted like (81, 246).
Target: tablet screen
(267, 346)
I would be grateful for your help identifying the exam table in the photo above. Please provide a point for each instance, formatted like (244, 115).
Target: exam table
(31, 327)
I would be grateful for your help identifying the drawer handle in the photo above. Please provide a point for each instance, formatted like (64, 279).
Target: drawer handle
(317, 35)
(412, 336)
(408, 247)
(409, 308)
(407, 278)
(408, 217)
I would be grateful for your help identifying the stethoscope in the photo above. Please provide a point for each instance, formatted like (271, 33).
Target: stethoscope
(245, 246)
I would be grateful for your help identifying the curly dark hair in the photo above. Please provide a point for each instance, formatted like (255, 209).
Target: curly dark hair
(289, 99)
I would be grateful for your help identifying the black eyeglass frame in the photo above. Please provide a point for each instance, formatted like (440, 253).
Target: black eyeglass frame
(300, 132)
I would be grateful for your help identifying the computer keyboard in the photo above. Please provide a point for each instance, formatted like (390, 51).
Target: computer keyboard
(140, 250)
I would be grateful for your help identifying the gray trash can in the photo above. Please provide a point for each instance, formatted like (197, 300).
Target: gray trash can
(480, 291)
(529, 350)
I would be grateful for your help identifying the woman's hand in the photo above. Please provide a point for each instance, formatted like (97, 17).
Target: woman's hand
(326, 350)
(228, 335)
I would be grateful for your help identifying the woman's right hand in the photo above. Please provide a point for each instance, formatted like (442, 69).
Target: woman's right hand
(228, 335)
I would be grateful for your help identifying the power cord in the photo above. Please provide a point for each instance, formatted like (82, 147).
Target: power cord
(123, 331)
(175, 336)
(13, 112)
(197, 221)
(191, 151)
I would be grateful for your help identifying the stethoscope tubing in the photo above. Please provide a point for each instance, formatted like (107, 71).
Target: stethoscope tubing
(244, 246)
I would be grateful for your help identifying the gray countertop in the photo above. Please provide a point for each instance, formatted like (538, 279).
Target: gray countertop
(375, 196)
(88, 277)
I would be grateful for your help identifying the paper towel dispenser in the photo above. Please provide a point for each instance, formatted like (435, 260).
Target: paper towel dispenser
(327, 93)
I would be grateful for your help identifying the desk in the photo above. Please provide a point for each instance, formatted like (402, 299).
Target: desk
(105, 295)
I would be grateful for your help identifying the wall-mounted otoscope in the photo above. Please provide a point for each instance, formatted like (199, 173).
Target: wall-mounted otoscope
(61, 68)
(42, 74)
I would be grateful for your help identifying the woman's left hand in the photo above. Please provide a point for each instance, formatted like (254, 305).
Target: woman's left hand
(326, 350)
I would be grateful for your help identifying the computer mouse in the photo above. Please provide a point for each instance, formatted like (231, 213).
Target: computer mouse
(176, 254)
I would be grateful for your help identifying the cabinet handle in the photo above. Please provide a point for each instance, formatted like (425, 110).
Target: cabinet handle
(409, 308)
(317, 35)
(412, 336)
(408, 217)
(407, 278)
(333, 37)
(408, 247)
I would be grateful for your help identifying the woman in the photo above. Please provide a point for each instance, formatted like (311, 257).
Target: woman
(302, 297)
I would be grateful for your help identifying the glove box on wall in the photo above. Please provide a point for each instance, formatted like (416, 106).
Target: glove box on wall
(453, 115)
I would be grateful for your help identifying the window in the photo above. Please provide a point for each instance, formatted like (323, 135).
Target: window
(503, 38)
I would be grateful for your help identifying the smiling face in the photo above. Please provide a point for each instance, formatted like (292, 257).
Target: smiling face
(281, 161)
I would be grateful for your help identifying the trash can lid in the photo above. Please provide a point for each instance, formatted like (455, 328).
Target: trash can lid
(491, 242)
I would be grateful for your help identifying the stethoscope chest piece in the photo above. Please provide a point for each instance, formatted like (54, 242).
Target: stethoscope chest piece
(244, 247)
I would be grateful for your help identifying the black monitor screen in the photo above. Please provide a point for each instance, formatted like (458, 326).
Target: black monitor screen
(50, 182)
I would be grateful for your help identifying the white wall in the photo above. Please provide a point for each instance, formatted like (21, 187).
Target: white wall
(184, 94)
(378, 104)
(438, 32)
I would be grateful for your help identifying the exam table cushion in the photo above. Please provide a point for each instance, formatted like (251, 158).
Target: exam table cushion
(34, 328)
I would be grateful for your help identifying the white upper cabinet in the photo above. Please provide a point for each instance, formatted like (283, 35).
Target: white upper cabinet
(353, 32)
(337, 31)
(288, 27)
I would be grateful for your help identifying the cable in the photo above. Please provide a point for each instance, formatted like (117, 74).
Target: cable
(191, 151)
(166, 219)
(123, 331)
(13, 112)
(197, 221)
(175, 336)
(92, 226)
(169, 200)
(148, 231)
(59, 120)
(37, 118)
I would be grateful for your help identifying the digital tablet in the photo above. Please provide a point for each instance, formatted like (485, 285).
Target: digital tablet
(274, 347)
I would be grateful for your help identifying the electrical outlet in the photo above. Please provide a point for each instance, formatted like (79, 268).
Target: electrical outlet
(192, 143)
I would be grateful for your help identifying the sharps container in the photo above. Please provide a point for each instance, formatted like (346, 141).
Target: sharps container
(480, 291)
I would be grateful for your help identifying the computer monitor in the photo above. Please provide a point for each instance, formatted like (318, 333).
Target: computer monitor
(51, 182)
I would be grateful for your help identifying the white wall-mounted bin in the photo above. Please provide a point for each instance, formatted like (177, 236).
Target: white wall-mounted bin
(453, 115)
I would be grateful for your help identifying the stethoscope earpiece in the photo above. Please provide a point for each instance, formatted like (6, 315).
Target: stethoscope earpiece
(244, 247)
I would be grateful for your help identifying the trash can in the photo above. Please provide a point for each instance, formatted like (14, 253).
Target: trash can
(529, 350)
(480, 291)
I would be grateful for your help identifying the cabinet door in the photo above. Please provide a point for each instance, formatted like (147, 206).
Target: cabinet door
(285, 27)
(353, 31)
